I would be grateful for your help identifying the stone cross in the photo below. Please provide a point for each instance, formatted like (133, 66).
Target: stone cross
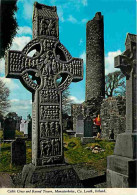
(127, 62)
(39, 74)
(122, 166)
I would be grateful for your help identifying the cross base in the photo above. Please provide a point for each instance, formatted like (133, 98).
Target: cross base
(122, 166)
(52, 176)
(121, 172)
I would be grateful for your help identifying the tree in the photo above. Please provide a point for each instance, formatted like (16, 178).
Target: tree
(66, 102)
(4, 94)
(115, 84)
(8, 24)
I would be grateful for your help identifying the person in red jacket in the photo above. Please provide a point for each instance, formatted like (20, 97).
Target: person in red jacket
(97, 122)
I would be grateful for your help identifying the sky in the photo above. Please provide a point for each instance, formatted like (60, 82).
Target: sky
(119, 19)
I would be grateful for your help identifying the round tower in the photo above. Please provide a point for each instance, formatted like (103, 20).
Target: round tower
(95, 74)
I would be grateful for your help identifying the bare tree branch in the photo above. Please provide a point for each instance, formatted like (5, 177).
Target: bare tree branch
(115, 84)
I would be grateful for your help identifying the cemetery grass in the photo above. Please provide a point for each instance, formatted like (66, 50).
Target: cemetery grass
(76, 153)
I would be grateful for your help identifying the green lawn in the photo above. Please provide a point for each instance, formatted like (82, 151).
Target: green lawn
(74, 152)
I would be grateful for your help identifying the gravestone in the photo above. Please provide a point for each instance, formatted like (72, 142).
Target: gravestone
(122, 166)
(80, 126)
(88, 127)
(9, 129)
(18, 152)
(88, 131)
(39, 74)
(24, 127)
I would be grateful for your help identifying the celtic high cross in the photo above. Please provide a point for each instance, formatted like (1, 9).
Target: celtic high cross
(39, 74)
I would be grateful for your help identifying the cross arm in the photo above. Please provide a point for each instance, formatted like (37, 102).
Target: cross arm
(74, 67)
(124, 62)
(13, 64)
(77, 69)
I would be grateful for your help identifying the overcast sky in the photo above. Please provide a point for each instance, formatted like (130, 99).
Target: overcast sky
(119, 19)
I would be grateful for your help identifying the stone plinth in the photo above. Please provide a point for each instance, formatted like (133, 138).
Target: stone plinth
(86, 140)
(121, 172)
(56, 176)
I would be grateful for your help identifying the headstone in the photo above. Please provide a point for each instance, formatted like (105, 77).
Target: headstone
(9, 129)
(80, 126)
(122, 166)
(88, 127)
(18, 152)
(24, 127)
(39, 74)
(88, 131)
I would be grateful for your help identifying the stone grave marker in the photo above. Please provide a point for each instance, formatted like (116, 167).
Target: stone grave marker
(9, 129)
(24, 127)
(18, 152)
(39, 74)
(88, 127)
(122, 166)
(88, 131)
(80, 126)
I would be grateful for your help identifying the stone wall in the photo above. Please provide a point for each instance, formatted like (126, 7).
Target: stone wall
(112, 113)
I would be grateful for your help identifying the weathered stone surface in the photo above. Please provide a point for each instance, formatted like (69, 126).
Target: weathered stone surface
(95, 76)
(59, 176)
(128, 147)
(39, 74)
(9, 129)
(18, 152)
